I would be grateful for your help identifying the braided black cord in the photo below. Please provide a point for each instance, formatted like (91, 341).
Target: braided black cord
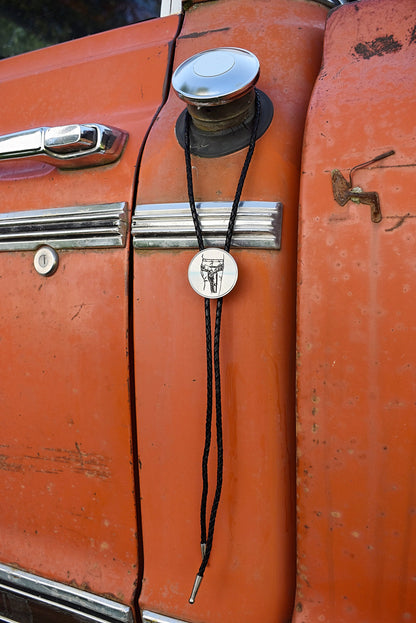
(218, 424)
(208, 340)
(207, 540)
(208, 424)
(217, 372)
(191, 197)
(233, 214)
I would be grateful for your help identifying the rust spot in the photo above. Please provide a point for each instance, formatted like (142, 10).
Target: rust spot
(315, 398)
(84, 586)
(8, 465)
(412, 38)
(378, 47)
(203, 33)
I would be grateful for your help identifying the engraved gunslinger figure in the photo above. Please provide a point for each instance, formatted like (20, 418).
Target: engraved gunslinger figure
(212, 273)
(212, 269)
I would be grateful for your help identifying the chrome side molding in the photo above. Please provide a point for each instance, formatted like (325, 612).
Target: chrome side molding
(153, 617)
(79, 227)
(333, 3)
(41, 599)
(170, 226)
(66, 147)
(156, 226)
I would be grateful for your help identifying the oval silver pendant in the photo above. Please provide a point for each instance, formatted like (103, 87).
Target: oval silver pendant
(213, 273)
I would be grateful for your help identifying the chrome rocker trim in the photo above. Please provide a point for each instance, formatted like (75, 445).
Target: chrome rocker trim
(170, 226)
(153, 617)
(80, 227)
(40, 597)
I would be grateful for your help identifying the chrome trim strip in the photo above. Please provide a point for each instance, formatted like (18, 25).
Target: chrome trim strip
(170, 226)
(333, 3)
(170, 7)
(85, 606)
(80, 227)
(153, 617)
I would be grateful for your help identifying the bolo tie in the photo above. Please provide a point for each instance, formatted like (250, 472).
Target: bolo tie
(213, 273)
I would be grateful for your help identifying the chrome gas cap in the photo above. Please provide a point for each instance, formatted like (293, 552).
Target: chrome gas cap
(216, 77)
(218, 88)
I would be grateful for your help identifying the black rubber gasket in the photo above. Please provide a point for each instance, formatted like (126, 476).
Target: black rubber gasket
(217, 144)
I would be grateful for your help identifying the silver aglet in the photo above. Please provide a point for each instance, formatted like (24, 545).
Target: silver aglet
(203, 550)
(197, 583)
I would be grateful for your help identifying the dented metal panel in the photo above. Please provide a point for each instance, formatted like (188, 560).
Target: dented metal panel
(356, 331)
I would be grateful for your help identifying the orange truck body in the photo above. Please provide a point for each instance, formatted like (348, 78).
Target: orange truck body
(102, 396)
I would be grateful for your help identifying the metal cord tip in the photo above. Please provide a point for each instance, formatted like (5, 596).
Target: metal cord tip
(197, 583)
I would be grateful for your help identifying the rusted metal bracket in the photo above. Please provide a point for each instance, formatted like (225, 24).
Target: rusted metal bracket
(344, 191)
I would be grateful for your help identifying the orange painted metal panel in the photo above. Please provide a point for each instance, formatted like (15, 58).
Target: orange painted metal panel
(250, 576)
(357, 281)
(107, 78)
(68, 509)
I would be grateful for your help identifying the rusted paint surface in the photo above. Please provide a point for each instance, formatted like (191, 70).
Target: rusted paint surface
(250, 577)
(67, 486)
(66, 465)
(356, 331)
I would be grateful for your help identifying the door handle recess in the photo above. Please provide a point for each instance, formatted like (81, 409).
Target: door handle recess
(66, 147)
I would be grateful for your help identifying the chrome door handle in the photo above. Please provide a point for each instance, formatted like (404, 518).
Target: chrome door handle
(67, 146)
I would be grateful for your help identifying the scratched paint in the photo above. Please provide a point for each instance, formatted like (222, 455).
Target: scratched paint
(54, 461)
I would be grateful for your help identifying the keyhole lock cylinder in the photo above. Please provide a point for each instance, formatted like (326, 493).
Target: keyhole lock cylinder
(46, 261)
(218, 88)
